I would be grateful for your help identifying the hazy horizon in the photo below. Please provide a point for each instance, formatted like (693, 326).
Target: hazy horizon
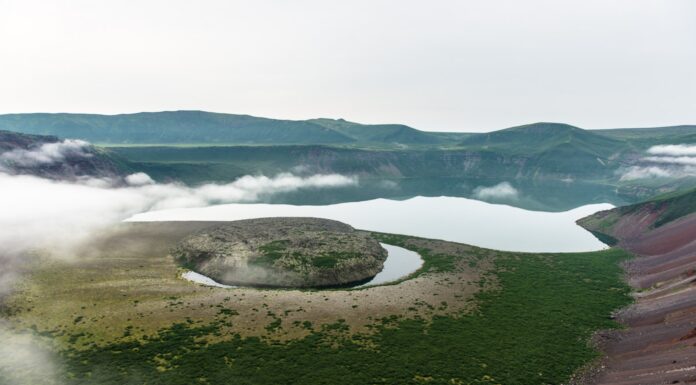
(345, 118)
(437, 66)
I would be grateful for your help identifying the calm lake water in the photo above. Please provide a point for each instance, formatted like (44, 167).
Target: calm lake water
(400, 263)
(454, 219)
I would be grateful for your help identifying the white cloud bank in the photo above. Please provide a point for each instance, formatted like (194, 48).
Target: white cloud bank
(503, 190)
(36, 211)
(47, 153)
(23, 361)
(139, 179)
(667, 161)
(637, 172)
(673, 150)
(682, 160)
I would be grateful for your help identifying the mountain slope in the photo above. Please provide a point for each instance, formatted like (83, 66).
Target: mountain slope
(659, 345)
(50, 157)
(541, 137)
(379, 133)
(553, 148)
(171, 127)
(635, 220)
(649, 133)
(198, 127)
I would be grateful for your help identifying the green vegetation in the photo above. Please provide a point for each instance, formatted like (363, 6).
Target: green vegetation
(548, 137)
(669, 207)
(432, 262)
(182, 127)
(532, 328)
(676, 205)
(272, 252)
(332, 258)
(276, 250)
(653, 135)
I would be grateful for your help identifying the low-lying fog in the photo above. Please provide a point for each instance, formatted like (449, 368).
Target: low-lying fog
(454, 219)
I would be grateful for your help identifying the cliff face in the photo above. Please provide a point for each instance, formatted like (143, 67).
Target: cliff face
(659, 345)
(282, 252)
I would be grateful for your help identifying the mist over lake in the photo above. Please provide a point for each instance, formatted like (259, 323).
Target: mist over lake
(448, 218)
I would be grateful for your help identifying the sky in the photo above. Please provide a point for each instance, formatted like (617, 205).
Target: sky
(435, 65)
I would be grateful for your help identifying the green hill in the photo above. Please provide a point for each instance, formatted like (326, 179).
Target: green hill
(199, 127)
(671, 206)
(171, 127)
(649, 132)
(652, 213)
(543, 137)
(379, 133)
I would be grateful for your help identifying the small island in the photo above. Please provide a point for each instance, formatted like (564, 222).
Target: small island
(282, 252)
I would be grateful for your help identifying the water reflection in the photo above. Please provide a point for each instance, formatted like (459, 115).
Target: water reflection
(462, 220)
(400, 263)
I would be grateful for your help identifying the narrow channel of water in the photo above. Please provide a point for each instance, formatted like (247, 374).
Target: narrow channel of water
(400, 263)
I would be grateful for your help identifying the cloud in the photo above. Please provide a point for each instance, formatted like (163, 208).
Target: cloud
(23, 361)
(503, 190)
(637, 172)
(682, 160)
(673, 150)
(139, 179)
(37, 213)
(47, 153)
(667, 161)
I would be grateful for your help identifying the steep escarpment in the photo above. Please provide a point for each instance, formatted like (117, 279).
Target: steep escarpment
(282, 252)
(659, 345)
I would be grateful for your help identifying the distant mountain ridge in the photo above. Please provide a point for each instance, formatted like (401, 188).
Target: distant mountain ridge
(200, 127)
(543, 136)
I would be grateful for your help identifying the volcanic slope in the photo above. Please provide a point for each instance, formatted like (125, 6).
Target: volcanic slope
(52, 158)
(659, 346)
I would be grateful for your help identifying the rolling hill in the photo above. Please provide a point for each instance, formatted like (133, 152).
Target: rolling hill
(199, 127)
(650, 133)
(546, 137)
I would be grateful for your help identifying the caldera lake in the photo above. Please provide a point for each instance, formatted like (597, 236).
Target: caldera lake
(453, 219)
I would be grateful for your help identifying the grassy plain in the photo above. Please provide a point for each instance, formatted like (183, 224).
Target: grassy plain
(470, 316)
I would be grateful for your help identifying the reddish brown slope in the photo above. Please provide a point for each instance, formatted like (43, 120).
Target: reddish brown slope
(659, 344)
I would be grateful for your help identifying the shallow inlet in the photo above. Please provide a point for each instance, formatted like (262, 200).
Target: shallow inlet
(400, 263)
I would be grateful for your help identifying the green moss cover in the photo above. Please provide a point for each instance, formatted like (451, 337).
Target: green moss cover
(533, 328)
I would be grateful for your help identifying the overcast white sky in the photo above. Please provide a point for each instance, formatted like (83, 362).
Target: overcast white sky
(435, 65)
